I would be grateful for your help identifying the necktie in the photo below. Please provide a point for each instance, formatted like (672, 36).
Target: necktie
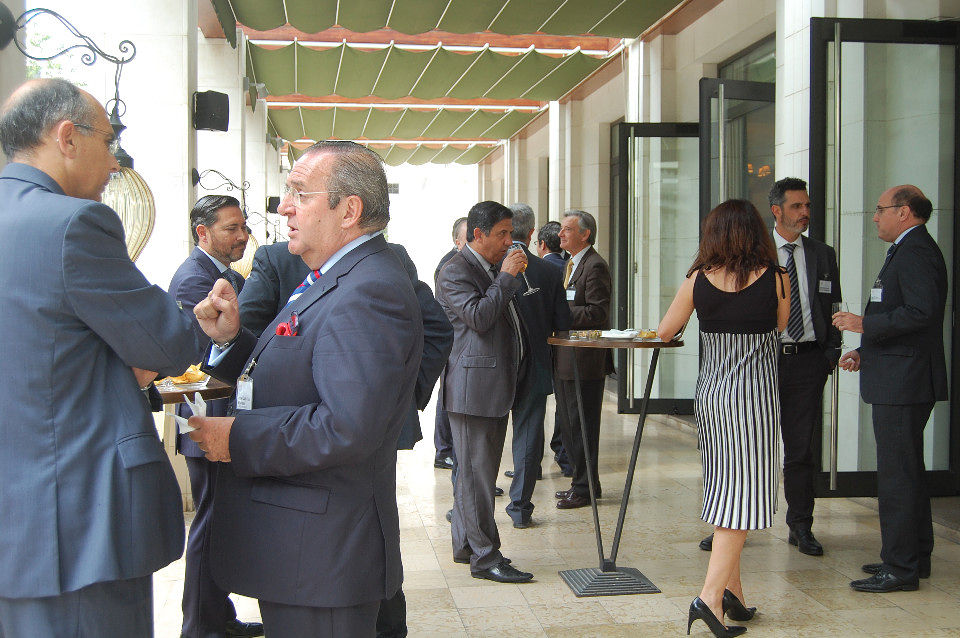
(514, 317)
(235, 279)
(795, 322)
(312, 276)
(567, 271)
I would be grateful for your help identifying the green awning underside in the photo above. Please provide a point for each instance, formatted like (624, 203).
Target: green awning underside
(396, 154)
(393, 73)
(401, 124)
(609, 18)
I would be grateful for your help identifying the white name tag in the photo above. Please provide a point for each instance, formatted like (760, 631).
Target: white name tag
(826, 286)
(876, 295)
(245, 393)
(571, 293)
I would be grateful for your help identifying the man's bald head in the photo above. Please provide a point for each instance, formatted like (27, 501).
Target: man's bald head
(911, 196)
(35, 108)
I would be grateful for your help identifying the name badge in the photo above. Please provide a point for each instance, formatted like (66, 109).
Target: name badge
(245, 392)
(826, 286)
(876, 295)
(571, 293)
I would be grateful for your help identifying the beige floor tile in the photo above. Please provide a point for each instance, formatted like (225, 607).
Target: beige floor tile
(434, 622)
(487, 595)
(586, 613)
(513, 620)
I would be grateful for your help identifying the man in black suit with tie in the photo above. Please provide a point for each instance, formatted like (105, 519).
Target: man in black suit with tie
(902, 374)
(809, 349)
(442, 439)
(219, 231)
(543, 312)
(480, 383)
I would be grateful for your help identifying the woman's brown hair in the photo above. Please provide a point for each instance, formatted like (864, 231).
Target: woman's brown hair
(735, 238)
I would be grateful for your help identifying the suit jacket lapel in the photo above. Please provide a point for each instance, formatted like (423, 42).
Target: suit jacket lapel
(575, 275)
(483, 276)
(810, 262)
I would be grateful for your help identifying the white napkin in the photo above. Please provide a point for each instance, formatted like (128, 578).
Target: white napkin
(199, 408)
(619, 334)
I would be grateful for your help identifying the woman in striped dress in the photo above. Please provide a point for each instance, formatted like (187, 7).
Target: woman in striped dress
(742, 301)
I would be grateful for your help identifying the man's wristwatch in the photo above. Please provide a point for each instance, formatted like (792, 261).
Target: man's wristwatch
(229, 342)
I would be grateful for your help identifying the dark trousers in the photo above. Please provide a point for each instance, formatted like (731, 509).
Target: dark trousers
(906, 528)
(556, 443)
(801, 408)
(392, 618)
(206, 607)
(479, 444)
(295, 621)
(592, 397)
(112, 609)
(528, 414)
(442, 440)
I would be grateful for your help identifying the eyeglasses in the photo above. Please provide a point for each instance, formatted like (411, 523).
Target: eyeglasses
(881, 208)
(113, 143)
(298, 195)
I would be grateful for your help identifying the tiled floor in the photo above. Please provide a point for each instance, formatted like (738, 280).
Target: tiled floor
(797, 595)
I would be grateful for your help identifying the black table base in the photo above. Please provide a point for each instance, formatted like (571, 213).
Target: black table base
(608, 579)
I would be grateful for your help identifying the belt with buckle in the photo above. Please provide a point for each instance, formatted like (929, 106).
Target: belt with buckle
(798, 348)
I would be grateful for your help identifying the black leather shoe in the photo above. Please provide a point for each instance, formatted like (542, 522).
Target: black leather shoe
(498, 491)
(805, 542)
(503, 572)
(445, 463)
(707, 544)
(523, 524)
(508, 473)
(873, 568)
(239, 629)
(735, 609)
(449, 516)
(563, 493)
(883, 582)
(700, 611)
(573, 501)
(466, 561)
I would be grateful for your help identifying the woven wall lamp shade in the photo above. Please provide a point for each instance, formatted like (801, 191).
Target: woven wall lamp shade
(130, 196)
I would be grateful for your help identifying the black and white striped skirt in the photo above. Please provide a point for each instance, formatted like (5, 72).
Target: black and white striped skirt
(738, 413)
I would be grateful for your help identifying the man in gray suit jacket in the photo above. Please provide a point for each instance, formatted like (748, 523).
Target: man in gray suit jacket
(480, 383)
(902, 375)
(91, 506)
(307, 495)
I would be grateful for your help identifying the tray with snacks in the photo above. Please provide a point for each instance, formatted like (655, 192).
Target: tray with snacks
(192, 379)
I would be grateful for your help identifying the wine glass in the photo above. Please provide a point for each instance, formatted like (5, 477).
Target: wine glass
(530, 289)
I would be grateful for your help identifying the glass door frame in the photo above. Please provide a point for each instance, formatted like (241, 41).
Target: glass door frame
(711, 88)
(624, 132)
(822, 33)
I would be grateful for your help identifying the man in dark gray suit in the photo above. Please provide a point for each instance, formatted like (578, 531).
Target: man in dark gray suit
(902, 374)
(91, 506)
(308, 496)
(543, 312)
(219, 230)
(480, 383)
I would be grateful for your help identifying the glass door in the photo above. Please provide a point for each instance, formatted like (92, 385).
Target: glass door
(884, 112)
(737, 118)
(655, 236)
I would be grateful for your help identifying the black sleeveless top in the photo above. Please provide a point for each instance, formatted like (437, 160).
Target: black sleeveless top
(752, 310)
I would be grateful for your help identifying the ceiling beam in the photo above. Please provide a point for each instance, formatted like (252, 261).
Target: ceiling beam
(207, 20)
(430, 38)
(288, 101)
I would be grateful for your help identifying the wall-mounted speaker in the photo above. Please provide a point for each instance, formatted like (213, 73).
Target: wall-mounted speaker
(211, 111)
(273, 203)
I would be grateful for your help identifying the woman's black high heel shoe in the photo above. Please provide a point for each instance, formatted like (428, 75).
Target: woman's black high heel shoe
(735, 609)
(699, 609)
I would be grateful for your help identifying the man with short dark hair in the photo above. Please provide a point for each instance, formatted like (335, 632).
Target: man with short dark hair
(91, 506)
(219, 229)
(480, 383)
(442, 439)
(543, 313)
(588, 285)
(305, 511)
(548, 244)
(902, 375)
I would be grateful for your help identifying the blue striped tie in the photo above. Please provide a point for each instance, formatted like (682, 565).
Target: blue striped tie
(302, 288)
(795, 323)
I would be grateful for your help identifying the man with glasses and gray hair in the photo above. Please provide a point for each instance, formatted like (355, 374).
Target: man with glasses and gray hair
(305, 511)
(91, 506)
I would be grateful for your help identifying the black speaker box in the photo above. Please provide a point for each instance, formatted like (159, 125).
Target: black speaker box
(273, 203)
(211, 111)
